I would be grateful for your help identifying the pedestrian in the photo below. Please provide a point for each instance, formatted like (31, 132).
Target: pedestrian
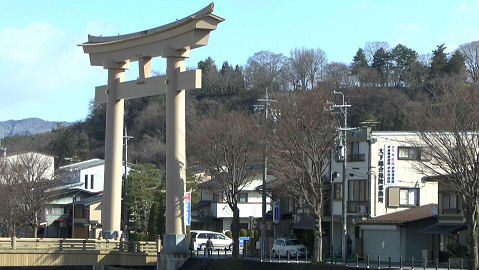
(209, 246)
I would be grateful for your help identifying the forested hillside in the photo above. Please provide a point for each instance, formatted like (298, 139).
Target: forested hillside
(382, 83)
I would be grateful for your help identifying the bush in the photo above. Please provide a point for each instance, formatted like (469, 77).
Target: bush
(243, 233)
(139, 237)
(256, 234)
(457, 250)
(229, 234)
(251, 234)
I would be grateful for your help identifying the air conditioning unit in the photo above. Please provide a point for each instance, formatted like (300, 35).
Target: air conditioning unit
(362, 209)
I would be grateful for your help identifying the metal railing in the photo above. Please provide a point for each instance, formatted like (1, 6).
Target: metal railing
(77, 244)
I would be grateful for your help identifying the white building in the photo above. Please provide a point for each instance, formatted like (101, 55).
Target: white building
(86, 175)
(382, 179)
(213, 213)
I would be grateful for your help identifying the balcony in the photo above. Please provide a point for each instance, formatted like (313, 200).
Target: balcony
(356, 157)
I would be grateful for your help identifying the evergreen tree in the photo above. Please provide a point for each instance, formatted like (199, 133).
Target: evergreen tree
(359, 59)
(438, 60)
(382, 64)
(456, 64)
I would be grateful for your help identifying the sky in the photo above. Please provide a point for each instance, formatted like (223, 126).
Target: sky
(44, 74)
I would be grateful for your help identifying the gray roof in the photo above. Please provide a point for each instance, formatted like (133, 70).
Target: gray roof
(83, 165)
(91, 200)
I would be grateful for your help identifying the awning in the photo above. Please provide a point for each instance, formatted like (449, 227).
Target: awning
(440, 228)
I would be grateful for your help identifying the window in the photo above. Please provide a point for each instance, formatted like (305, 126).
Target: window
(403, 197)
(358, 190)
(408, 196)
(243, 197)
(202, 235)
(86, 181)
(338, 191)
(412, 153)
(92, 178)
(354, 154)
(449, 201)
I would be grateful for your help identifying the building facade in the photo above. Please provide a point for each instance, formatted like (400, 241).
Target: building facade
(383, 177)
(213, 213)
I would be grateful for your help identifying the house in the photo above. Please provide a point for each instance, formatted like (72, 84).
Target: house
(57, 214)
(450, 227)
(89, 173)
(213, 213)
(82, 186)
(397, 234)
(382, 179)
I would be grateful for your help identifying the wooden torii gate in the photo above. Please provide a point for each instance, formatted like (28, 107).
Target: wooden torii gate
(172, 41)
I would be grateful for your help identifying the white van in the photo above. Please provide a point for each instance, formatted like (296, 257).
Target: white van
(220, 240)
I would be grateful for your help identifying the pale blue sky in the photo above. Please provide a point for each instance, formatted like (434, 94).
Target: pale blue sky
(44, 74)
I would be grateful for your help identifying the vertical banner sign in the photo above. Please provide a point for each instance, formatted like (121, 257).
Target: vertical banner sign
(188, 209)
(381, 176)
(276, 212)
(390, 164)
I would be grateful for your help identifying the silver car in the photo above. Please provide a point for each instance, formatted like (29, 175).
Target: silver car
(291, 247)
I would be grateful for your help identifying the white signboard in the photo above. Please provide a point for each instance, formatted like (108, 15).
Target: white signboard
(390, 159)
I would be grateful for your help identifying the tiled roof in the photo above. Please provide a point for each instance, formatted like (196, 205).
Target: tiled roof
(404, 216)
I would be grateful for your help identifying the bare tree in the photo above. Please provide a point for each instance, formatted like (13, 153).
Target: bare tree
(264, 69)
(449, 129)
(471, 53)
(338, 76)
(225, 145)
(307, 65)
(301, 154)
(31, 174)
(10, 216)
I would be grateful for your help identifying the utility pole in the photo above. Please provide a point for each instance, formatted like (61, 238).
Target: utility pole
(125, 216)
(343, 111)
(74, 198)
(265, 107)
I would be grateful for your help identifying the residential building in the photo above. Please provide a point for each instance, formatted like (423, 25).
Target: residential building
(83, 184)
(450, 227)
(383, 178)
(213, 213)
(398, 234)
(89, 173)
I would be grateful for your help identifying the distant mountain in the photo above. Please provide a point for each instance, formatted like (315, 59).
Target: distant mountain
(28, 126)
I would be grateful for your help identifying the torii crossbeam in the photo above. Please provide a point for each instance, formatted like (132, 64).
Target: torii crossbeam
(172, 41)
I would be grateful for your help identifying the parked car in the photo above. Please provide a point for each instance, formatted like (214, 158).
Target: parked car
(291, 247)
(219, 240)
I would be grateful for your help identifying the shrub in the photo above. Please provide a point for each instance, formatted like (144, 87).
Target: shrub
(251, 233)
(457, 250)
(229, 234)
(243, 233)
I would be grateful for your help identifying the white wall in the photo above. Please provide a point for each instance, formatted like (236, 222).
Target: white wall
(406, 173)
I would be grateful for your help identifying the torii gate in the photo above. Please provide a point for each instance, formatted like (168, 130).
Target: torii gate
(172, 41)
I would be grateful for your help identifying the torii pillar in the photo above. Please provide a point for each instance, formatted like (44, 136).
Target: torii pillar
(173, 41)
